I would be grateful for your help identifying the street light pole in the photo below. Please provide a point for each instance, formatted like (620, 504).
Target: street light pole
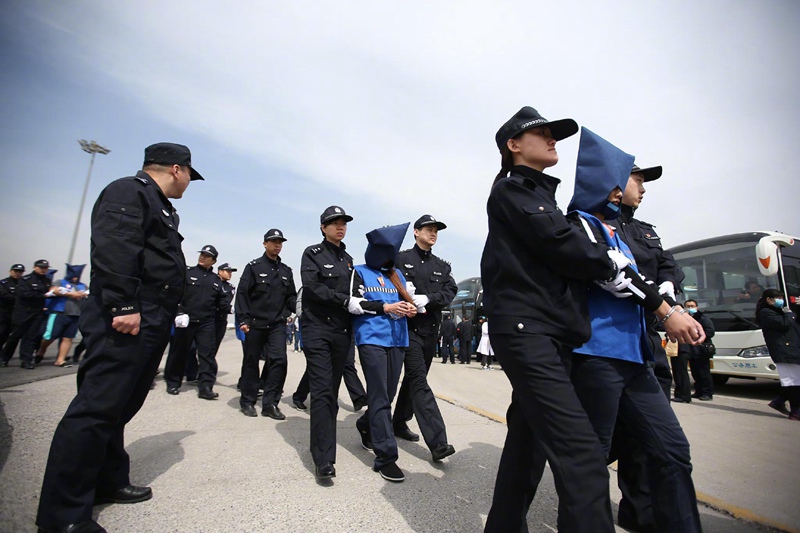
(90, 147)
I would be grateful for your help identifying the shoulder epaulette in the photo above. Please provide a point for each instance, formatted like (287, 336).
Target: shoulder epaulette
(141, 180)
(406, 250)
(315, 249)
(646, 223)
(442, 260)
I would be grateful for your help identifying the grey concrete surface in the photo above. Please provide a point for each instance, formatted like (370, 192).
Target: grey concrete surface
(213, 469)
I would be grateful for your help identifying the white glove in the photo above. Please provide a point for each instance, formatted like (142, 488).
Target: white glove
(49, 294)
(620, 260)
(410, 288)
(420, 300)
(62, 290)
(354, 307)
(616, 285)
(182, 321)
(667, 289)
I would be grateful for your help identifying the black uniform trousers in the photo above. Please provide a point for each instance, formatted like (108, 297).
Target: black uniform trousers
(87, 454)
(355, 389)
(448, 349)
(203, 334)
(220, 327)
(382, 366)
(326, 352)
(680, 375)
(255, 340)
(636, 507)
(465, 349)
(612, 389)
(416, 397)
(27, 332)
(701, 373)
(5, 329)
(546, 423)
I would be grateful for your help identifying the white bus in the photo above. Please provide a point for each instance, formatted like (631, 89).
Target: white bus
(726, 276)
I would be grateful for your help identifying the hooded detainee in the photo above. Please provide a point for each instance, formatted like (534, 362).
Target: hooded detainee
(611, 371)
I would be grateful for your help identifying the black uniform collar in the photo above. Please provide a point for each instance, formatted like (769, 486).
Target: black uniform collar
(276, 262)
(425, 254)
(627, 212)
(338, 250)
(201, 267)
(145, 176)
(545, 181)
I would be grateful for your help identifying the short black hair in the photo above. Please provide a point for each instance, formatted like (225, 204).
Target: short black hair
(689, 300)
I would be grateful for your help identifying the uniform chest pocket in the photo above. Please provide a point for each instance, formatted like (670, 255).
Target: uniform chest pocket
(435, 282)
(331, 278)
(122, 219)
(653, 243)
(262, 284)
(544, 220)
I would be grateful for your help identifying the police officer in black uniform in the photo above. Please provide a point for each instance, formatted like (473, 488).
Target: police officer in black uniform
(659, 266)
(355, 389)
(224, 271)
(327, 331)
(137, 282)
(434, 288)
(447, 334)
(266, 297)
(464, 334)
(8, 288)
(534, 269)
(28, 315)
(196, 323)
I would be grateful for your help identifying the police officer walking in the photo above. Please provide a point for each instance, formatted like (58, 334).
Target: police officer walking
(659, 266)
(464, 334)
(8, 288)
(447, 334)
(196, 323)
(28, 315)
(327, 332)
(266, 297)
(224, 271)
(434, 288)
(137, 282)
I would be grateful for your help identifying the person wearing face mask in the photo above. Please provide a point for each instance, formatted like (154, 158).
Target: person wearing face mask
(782, 335)
(610, 372)
(381, 304)
(700, 356)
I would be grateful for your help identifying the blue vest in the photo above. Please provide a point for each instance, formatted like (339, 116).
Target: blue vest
(380, 330)
(618, 326)
(57, 303)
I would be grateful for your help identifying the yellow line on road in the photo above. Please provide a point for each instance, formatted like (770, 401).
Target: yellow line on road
(708, 500)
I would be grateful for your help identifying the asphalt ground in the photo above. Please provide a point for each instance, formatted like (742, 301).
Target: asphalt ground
(213, 469)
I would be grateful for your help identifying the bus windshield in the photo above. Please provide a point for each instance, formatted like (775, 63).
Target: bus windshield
(726, 282)
(467, 298)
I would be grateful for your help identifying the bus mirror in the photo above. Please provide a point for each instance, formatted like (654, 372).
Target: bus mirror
(767, 252)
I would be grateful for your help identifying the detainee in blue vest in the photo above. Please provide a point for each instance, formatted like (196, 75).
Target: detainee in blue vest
(610, 372)
(64, 309)
(381, 303)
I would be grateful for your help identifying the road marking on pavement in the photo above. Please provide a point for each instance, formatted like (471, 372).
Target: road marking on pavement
(706, 499)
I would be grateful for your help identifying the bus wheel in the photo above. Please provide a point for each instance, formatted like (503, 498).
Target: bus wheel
(719, 379)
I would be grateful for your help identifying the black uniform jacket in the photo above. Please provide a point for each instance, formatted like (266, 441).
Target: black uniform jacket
(226, 302)
(8, 288)
(654, 263)
(464, 330)
(203, 296)
(136, 248)
(448, 329)
(325, 271)
(30, 295)
(432, 278)
(266, 295)
(535, 264)
(695, 352)
(780, 331)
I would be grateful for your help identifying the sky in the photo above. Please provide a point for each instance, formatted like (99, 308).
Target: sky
(389, 110)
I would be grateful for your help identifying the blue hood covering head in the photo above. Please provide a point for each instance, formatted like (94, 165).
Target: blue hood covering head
(74, 271)
(601, 168)
(384, 244)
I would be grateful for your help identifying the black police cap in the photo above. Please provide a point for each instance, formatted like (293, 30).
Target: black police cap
(527, 118)
(209, 250)
(427, 220)
(226, 266)
(332, 213)
(649, 173)
(18, 266)
(170, 154)
(42, 263)
(274, 235)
